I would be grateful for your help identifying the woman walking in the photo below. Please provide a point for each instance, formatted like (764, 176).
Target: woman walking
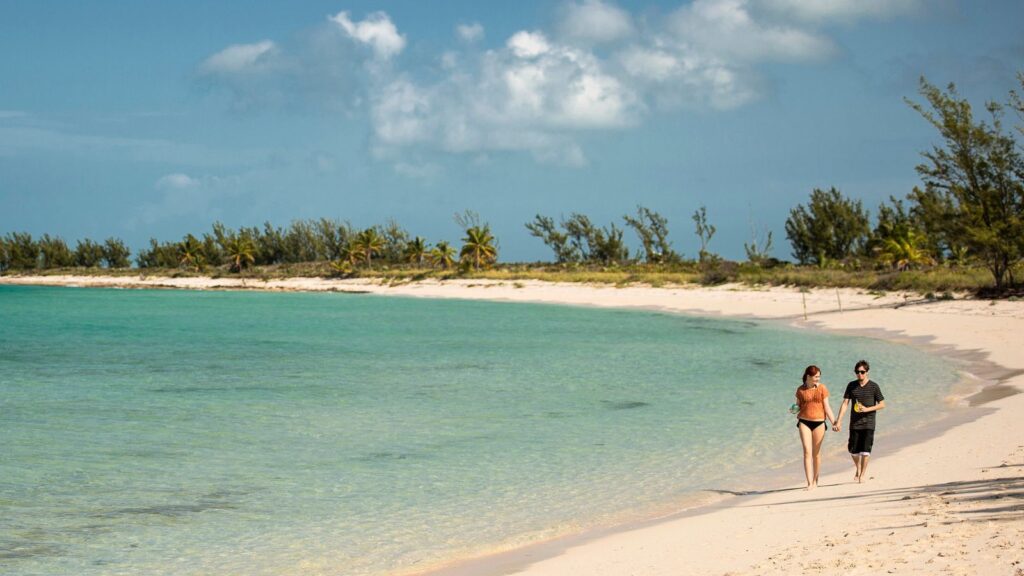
(812, 401)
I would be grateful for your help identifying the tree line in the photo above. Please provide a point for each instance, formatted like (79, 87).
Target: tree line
(303, 241)
(968, 210)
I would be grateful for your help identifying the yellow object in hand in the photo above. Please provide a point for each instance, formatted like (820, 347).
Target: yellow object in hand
(857, 407)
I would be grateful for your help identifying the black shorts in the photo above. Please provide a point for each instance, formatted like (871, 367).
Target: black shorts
(861, 441)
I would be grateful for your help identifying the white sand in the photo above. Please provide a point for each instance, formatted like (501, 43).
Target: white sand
(952, 503)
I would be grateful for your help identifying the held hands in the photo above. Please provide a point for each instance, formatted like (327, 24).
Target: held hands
(837, 426)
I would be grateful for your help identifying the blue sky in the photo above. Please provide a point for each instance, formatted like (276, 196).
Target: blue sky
(155, 119)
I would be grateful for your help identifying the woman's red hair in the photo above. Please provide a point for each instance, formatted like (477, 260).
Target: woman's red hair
(810, 371)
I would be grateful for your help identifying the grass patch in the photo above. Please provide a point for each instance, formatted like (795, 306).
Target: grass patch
(938, 281)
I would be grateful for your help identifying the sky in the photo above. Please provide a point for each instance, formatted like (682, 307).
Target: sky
(156, 119)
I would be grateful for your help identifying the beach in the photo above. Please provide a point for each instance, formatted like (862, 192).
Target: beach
(949, 500)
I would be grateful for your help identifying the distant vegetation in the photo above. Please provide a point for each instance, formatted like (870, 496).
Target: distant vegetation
(962, 229)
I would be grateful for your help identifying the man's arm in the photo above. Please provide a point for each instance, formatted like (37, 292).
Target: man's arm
(875, 408)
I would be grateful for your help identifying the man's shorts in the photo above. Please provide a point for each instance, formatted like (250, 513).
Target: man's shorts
(861, 441)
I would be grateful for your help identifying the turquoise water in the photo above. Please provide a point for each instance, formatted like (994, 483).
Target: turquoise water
(175, 432)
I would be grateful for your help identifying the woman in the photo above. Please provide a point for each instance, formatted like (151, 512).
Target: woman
(812, 400)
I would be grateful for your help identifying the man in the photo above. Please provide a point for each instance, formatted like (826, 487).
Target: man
(867, 399)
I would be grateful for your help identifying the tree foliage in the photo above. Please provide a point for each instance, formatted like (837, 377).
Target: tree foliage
(759, 249)
(54, 252)
(190, 253)
(443, 255)
(241, 252)
(22, 253)
(478, 248)
(368, 244)
(416, 251)
(831, 228)
(973, 182)
(580, 240)
(116, 253)
(544, 227)
(705, 231)
(652, 230)
(899, 240)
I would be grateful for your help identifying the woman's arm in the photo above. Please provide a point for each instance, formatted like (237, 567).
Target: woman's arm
(838, 422)
(828, 411)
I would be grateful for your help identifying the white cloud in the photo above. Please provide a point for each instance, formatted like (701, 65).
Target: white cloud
(539, 92)
(470, 32)
(726, 29)
(846, 10)
(239, 58)
(528, 44)
(672, 78)
(401, 113)
(530, 97)
(595, 21)
(652, 64)
(377, 31)
(176, 181)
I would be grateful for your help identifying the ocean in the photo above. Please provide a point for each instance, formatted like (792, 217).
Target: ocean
(252, 433)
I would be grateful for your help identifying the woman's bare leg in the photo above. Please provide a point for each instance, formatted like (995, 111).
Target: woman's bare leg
(817, 437)
(807, 440)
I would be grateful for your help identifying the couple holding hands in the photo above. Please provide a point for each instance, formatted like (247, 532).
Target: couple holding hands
(812, 410)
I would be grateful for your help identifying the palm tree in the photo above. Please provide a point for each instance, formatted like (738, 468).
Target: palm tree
(341, 268)
(443, 255)
(478, 247)
(241, 252)
(190, 253)
(351, 253)
(369, 242)
(904, 248)
(416, 250)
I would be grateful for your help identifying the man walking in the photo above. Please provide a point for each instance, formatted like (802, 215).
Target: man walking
(867, 399)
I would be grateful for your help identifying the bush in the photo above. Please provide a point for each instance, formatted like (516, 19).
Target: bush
(718, 271)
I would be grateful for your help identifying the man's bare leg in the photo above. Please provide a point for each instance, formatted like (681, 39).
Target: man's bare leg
(862, 470)
(856, 466)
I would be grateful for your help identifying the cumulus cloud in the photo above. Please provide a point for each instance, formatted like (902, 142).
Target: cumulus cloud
(528, 44)
(845, 10)
(599, 68)
(594, 21)
(240, 58)
(530, 96)
(317, 69)
(470, 32)
(376, 31)
(726, 29)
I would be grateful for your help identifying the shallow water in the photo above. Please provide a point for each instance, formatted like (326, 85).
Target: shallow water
(179, 432)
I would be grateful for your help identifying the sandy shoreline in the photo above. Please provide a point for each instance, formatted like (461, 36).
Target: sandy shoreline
(950, 503)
